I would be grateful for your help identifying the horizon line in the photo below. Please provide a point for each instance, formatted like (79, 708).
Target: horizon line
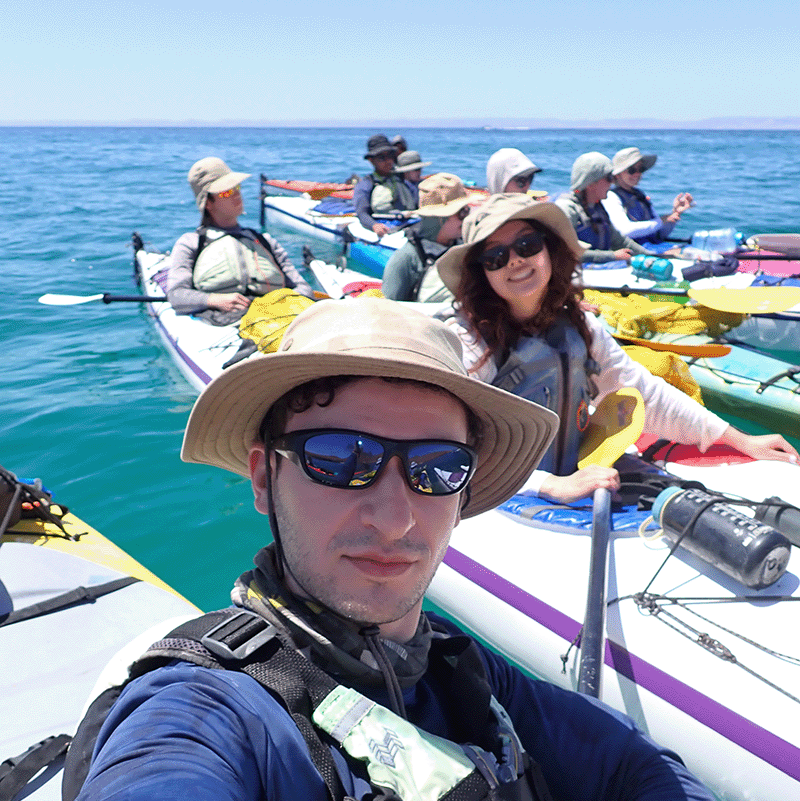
(709, 123)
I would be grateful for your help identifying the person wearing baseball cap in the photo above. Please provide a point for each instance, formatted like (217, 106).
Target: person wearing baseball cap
(206, 276)
(630, 209)
(409, 274)
(589, 184)
(382, 192)
(365, 442)
(518, 314)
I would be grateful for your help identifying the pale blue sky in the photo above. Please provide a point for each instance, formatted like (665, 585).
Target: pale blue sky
(176, 61)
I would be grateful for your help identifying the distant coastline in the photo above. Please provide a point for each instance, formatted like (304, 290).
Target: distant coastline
(711, 123)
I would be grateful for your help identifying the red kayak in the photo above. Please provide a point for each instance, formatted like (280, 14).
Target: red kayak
(315, 189)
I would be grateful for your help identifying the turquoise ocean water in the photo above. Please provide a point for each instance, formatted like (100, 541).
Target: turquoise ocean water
(92, 404)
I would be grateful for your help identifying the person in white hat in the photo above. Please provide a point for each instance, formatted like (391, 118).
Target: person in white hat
(630, 209)
(590, 181)
(522, 328)
(217, 270)
(510, 170)
(365, 442)
(409, 274)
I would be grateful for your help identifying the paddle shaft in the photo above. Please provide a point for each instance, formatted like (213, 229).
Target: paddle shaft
(132, 299)
(594, 623)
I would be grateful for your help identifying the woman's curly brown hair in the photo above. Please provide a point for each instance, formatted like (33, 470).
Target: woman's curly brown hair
(491, 315)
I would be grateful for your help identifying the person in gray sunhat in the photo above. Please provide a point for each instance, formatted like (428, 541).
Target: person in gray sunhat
(522, 328)
(409, 274)
(409, 167)
(382, 191)
(630, 209)
(217, 270)
(365, 442)
(590, 181)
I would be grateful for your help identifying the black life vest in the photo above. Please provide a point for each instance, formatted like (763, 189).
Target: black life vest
(497, 767)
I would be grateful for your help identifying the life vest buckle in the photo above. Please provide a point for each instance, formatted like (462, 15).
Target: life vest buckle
(239, 636)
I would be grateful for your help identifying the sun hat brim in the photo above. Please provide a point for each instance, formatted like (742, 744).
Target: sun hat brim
(224, 422)
(417, 165)
(634, 157)
(449, 208)
(497, 211)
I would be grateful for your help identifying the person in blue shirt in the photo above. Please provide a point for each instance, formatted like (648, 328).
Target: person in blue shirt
(382, 191)
(365, 442)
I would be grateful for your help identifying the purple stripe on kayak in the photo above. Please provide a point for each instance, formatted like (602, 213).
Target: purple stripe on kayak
(758, 741)
(187, 360)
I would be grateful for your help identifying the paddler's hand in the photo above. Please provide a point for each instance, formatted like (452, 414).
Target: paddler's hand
(380, 229)
(765, 446)
(228, 301)
(623, 254)
(565, 489)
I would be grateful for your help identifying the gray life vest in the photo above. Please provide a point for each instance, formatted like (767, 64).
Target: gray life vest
(390, 193)
(227, 263)
(554, 371)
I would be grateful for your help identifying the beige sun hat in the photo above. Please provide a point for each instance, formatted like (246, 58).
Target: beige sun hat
(443, 194)
(369, 337)
(496, 211)
(629, 156)
(212, 175)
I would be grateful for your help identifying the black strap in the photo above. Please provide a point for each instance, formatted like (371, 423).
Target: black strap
(67, 599)
(16, 772)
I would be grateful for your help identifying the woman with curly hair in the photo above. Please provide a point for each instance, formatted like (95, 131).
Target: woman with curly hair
(522, 328)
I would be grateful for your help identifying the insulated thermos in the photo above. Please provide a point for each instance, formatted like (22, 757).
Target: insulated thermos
(652, 268)
(744, 548)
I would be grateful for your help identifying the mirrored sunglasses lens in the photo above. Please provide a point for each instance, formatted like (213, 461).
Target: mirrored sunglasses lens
(438, 468)
(342, 460)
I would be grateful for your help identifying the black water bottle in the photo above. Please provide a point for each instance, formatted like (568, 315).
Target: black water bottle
(748, 550)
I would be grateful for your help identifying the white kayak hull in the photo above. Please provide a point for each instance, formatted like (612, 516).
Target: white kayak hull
(51, 664)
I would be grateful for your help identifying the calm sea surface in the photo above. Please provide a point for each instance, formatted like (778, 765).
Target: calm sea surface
(90, 401)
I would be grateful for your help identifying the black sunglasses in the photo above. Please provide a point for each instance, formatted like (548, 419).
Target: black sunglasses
(523, 180)
(462, 214)
(637, 169)
(353, 460)
(527, 245)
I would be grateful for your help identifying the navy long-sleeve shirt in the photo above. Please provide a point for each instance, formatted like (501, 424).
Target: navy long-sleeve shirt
(184, 731)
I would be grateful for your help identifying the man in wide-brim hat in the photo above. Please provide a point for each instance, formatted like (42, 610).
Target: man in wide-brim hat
(365, 442)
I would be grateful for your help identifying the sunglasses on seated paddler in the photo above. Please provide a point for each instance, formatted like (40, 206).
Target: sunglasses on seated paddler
(354, 460)
(495, 258)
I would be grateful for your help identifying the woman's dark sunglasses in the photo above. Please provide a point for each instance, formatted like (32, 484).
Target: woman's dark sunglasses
(352, 460)
(637, 169)
(524, 246)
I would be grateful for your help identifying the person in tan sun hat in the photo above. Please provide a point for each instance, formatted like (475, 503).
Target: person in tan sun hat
(217, 270)
(630, 209)
(365, 442)
(522, 328)
(443, 205)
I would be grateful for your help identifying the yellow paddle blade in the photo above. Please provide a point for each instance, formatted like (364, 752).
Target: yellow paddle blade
(753, 300)
(616, 424)
(701, 351)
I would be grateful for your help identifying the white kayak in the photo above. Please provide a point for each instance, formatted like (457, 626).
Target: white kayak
(704, 664)
(300, 214)
(52, 660)
(198, 349)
